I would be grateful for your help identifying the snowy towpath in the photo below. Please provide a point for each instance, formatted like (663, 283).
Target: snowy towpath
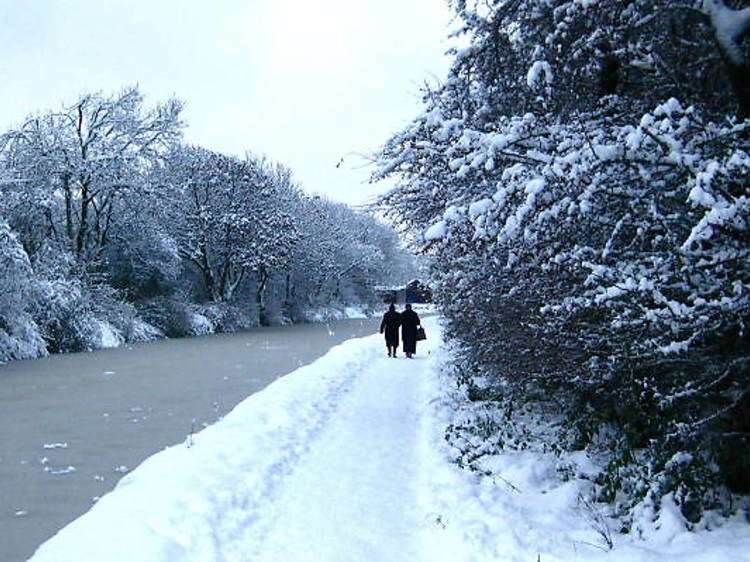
(354, 497)
(322, 465)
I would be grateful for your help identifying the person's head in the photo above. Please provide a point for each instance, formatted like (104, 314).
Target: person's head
(392, 308)
(408, 307)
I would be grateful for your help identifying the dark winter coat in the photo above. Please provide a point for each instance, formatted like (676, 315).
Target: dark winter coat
(409, 323)
(389, 326)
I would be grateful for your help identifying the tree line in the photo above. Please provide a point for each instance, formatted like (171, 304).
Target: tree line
(112, 229)
(582, 181)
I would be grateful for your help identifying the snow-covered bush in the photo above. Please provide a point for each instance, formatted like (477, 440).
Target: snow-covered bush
(199, 324)
(141, 331)
(590, 235)
(19, 335)
(176, 317)
(143, 261)
(231, 316)
(75, 316)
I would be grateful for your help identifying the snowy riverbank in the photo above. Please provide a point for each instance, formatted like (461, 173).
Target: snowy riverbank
(345, 459)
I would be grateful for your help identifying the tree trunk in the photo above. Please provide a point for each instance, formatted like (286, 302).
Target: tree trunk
(739, 77)
(208, 276)
(68, 208)
(83, 226)
(289, 290)
(260, 296)
(730, 29)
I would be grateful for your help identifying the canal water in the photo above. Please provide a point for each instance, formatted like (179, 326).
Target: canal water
(72, 425)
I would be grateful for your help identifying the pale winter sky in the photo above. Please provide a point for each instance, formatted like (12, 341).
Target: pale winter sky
(304, 82)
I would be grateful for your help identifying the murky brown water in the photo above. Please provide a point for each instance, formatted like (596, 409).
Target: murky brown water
(72, 425)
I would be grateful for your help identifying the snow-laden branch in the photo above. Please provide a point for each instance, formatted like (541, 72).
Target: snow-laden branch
(730, 26)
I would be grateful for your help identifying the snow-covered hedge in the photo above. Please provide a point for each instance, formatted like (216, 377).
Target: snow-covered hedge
(590, 234)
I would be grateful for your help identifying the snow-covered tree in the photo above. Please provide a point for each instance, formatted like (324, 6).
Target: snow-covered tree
(70, 177)
(73, 168)
(590, 230)
(342, 255)
(19, 335)
(226, 219)
(570, 53)
(112, 230)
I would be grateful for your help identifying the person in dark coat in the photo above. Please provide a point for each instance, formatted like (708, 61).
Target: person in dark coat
(389, 326)
(409, 324)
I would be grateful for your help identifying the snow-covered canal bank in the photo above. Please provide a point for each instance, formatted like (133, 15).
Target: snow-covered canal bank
(72, 425)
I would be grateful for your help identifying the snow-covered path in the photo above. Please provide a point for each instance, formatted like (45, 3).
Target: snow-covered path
(354, 497)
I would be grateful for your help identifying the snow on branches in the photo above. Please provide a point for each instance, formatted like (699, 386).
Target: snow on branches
(590, 232)
(640, 211)
(730, 27)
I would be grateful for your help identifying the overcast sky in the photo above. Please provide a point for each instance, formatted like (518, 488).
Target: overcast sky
(304, 82)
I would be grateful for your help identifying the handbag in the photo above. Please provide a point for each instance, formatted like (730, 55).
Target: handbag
(420, 334)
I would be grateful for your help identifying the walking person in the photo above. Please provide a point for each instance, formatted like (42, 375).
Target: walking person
(409, 325)
(389, 326)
